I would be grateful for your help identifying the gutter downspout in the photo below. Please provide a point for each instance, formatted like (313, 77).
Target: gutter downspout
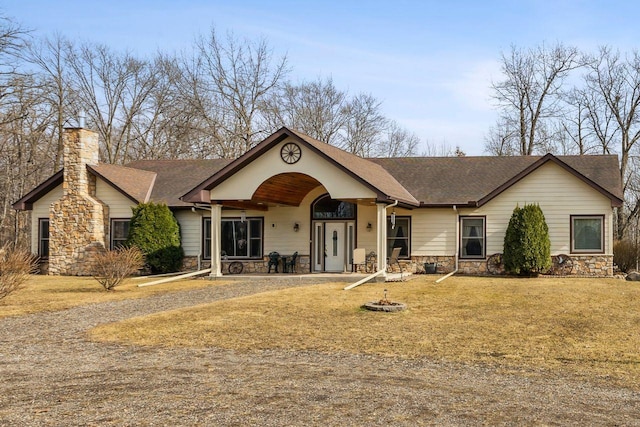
(384, 224)
(382, 260)
(455, 209)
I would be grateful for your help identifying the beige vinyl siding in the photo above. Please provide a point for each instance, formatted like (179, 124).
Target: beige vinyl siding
(41, 210)
(559, 194)
(119, 204)
(191, 229)
(433, 231)
(366, 238)
(278, 226)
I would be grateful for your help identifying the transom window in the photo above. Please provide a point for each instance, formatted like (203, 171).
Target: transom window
(587, 233)
(399, 236)
(119, 232)
(238, 239)
(472, 237)
(43, 238)
(327, 208)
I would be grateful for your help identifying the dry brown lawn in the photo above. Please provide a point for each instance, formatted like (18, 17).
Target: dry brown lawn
(590, 327)
(52, 293)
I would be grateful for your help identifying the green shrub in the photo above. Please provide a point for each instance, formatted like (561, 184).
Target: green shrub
(527, 247)
(155, 231)
(625, 255)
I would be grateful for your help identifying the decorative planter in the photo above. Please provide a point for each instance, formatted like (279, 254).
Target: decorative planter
(430, 267)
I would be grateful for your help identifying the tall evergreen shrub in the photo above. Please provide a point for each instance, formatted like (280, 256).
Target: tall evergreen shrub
(527, 247)
(155, 231)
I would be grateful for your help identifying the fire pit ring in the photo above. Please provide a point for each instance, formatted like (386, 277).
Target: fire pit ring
(386, 306)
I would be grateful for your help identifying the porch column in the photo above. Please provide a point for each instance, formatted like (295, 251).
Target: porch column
(381, 234)
(216, 225)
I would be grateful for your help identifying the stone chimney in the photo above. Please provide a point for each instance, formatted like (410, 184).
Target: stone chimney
(78, 221)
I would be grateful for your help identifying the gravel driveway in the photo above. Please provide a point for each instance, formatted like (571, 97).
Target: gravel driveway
(52, 376)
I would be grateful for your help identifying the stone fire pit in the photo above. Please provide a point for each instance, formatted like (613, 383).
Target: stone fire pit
(385, 305)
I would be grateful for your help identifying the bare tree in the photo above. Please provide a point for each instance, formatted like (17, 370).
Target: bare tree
(12, 40)
(576, 133)
(114, 89)
(13, 86)
(613, 82)
(529, 93)
(316, 108)
(502, 139)
(397, 141)
(24, 148)
(48, 56)
(238, 76)
(364, 126)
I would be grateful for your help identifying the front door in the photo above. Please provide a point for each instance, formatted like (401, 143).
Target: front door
(334, 246)
(333, 242)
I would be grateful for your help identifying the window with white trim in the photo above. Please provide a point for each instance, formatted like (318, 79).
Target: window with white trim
(239, 239)
(119, 232)
(472, 237)
(587, 233)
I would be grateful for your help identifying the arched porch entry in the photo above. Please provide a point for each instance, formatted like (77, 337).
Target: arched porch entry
(333, 237)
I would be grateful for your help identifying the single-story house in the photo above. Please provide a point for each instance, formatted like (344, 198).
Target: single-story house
(292, 193)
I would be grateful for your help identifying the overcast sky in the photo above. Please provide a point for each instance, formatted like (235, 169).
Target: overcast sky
(430, 62)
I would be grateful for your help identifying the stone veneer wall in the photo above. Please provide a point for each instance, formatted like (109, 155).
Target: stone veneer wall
(78, 221)
(583, 265)
(593, 265)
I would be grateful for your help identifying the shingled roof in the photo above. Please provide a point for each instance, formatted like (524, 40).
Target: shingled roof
(177, 177)
(160, 181)
(447, 181)
(136, 184)
(372, 174)
(414, 181)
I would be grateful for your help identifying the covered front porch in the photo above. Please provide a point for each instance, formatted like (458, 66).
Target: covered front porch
(318, 236)
(294, 195)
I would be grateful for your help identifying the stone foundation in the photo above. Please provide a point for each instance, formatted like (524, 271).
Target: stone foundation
(251, 266)
(583, 265)
(592, 265)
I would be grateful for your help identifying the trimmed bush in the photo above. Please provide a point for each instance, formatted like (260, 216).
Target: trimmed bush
(155, 231)
(625, 255)
(527, 247)
(15, 267)
(113, 267)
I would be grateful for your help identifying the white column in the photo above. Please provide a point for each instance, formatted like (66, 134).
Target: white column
(216, 225)
(381, 240)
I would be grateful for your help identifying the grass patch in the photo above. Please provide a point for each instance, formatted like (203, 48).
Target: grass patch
(53, 293)
(588, 326)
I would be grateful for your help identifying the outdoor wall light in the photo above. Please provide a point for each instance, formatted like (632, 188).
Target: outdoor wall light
(296, 227)
(369, 226)
(243, 216)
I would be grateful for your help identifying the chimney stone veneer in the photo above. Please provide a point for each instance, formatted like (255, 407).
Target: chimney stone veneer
(78, 221)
